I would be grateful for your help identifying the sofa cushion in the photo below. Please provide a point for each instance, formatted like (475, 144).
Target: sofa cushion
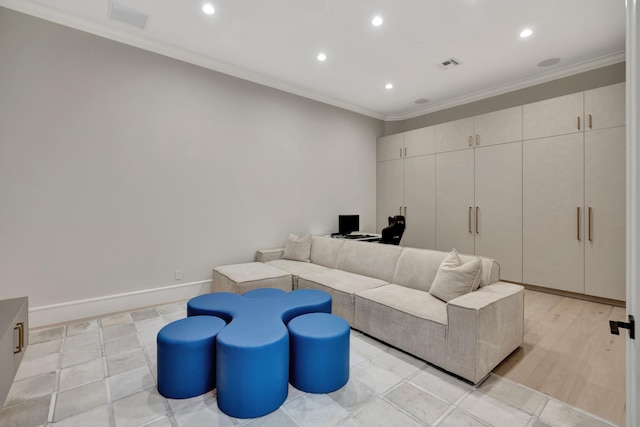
(342, 286)
(409, 319)
(298, 248)
(325, 250)
(296, 268)
(417, 268)
(369, 259)
(455, 278)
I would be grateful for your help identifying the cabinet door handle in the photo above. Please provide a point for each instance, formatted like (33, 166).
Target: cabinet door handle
(400, 152)
(589, 224)
(470, 141)
(477, 139)
(477, 225)
(590, 122)
(405, 151)
(470, 209)
(400, 210)
(578, 122)
(405, 212)
(578, 223)
(20, 345)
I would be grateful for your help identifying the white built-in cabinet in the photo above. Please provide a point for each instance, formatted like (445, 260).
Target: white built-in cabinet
(479, 188)
(574, 193)
(406, 184)
(538, 187)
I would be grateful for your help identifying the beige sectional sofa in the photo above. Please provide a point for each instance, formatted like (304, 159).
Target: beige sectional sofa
(383, 291)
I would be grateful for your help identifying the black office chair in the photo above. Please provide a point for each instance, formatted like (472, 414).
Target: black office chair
(392, 234)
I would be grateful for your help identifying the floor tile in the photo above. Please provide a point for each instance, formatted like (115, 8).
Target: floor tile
(79, 400)
(97, 417)
(441, 384)
(144, 314)
(80, 355)
(162, 422)
(32, 413)
(399, 363)
(354, 395)
(81, 340)
(139, 409)
(378, 379)
(275, 419)
(513, 393)
(207, 415)
(118, 331)
(494, 412)
(315, 410)
(37, 366)
(559, 415)
(382, 414)
(366, 347)
(459, 418)
(126, 361)
(121, 345)
(420, 404)
(48, 334)
(80, 327)
(130, 382)
(116, 319)
(30, 388)
(43, 348)
(171, 308)
(82, 374)
(172, 317)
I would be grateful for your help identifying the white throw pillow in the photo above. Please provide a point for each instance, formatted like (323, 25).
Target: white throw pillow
(454, 279)
(298, 248)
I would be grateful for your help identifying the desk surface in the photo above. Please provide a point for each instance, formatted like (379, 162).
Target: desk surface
(358, 236)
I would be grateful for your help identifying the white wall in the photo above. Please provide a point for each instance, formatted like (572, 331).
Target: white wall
(119, 166)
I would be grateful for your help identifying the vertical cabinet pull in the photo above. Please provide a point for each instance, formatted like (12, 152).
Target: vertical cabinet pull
(578, 122)
(470, 141)
(405, 151)
(405, 212)
(400, 151)
(578, 223)
(400, 210)
(470, 209)
(589, 224)
(19, 328)
(590, 122)
(477, 139)
(477, 224)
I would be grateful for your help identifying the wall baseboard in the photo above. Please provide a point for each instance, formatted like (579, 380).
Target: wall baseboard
(92, 307)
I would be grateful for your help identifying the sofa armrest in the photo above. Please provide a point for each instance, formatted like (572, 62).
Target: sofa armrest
(485, 326)
(264, 255)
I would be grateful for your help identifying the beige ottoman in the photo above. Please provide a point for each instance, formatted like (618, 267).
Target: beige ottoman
(240, 278)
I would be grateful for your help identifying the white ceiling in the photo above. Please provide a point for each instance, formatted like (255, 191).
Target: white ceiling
(275, 43)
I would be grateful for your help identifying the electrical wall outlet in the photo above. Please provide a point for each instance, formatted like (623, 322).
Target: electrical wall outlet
(178, 275)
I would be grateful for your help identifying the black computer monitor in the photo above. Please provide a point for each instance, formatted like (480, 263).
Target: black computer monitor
(348, 223)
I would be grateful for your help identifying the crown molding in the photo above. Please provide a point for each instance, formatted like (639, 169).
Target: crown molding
(140, 41)
(512, 86)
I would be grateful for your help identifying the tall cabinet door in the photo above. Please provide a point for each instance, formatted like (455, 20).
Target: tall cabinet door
(454, 201)
(605, 185)
(553, 213)
(604, 107)
(498, 127)
(498, 215)
(389, 191)
(420, 200)
(390, 147)
(456, 135)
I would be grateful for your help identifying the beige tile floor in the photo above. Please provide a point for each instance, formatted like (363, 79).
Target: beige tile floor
(102, 372)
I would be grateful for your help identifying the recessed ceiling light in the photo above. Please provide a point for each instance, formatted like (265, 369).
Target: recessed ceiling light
(388, 86)
(526, 33)
(322, 57)
(376, 21)
(208, 9)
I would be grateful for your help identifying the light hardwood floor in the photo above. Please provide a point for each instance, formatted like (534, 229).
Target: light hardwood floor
(569, 353)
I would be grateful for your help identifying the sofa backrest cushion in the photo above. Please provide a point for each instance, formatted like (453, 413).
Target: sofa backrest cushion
(369, 259)
(325, 250)
(418, 267)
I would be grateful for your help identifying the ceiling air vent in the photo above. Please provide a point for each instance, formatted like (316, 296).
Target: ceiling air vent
(127, 15)
(449, 63)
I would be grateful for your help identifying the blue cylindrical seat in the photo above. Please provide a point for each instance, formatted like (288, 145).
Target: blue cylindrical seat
(319, 358)
(187, 355)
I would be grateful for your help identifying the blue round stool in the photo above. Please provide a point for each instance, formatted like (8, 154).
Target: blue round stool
(319, 346)
(187, 356)
(264, 293)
